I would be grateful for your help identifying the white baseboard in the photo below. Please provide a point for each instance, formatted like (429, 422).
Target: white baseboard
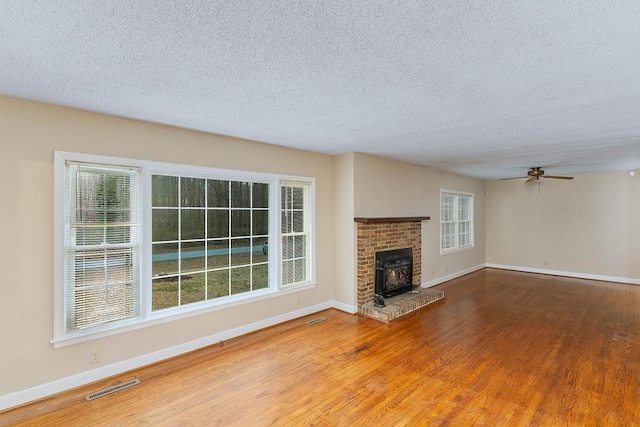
(627, 280)
(452, 276)
(63, 384)
(347, 308)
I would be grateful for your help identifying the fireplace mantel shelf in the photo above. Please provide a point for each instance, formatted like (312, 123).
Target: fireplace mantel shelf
(392, 219)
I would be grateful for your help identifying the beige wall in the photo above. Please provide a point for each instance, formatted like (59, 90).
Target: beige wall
(29, 134)
(387, 188)
(588, 225)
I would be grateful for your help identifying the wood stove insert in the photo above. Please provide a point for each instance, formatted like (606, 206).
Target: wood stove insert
(394, 273)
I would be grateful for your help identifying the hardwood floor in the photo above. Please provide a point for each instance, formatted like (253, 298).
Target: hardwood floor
(503, 348)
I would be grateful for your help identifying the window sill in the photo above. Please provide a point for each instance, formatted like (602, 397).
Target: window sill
(170, 315)
(456, 250)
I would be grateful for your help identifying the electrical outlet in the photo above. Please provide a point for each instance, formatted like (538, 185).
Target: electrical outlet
(298, 303)
(446, 269)
(94, 357)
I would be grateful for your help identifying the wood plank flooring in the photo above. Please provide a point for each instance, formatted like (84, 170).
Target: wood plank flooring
(504, 348)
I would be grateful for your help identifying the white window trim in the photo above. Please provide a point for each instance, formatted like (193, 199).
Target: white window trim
(147, 318)
(458, 248)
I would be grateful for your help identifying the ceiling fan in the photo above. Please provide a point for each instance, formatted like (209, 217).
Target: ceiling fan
(537, 173)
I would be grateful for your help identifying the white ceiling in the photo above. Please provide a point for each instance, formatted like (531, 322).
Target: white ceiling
(485, 89)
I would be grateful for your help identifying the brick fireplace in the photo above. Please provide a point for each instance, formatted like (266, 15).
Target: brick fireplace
(379, 234)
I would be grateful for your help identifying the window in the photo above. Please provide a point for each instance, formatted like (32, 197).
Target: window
(138, 241)
(295, 232)
(456, 221)
(209, 239)
(101, 245)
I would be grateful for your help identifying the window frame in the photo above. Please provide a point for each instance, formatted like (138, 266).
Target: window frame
(74, 248)
(147, 302)
(306, 231)
(456, 221)
(148, 317)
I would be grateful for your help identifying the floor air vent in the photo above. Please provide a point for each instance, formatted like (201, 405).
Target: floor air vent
(113, 389)
(318, 320)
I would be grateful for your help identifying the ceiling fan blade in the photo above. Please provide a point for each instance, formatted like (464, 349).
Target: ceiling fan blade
(530, 179)
(515, 177)
(557, 177)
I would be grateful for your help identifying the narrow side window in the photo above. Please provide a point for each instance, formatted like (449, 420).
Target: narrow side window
(295, 232)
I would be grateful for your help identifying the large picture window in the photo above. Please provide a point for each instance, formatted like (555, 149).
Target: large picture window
(209, 239)
(456, 221)
(139, 241)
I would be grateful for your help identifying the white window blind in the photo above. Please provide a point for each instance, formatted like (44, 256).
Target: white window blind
(465, 223)
(456, 221)
(101, 242)
(295, 232)
(448, 221)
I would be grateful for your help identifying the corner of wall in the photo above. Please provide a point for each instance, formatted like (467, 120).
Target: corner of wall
(344, 230)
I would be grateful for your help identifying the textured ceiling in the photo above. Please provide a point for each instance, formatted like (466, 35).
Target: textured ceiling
(484, 89)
